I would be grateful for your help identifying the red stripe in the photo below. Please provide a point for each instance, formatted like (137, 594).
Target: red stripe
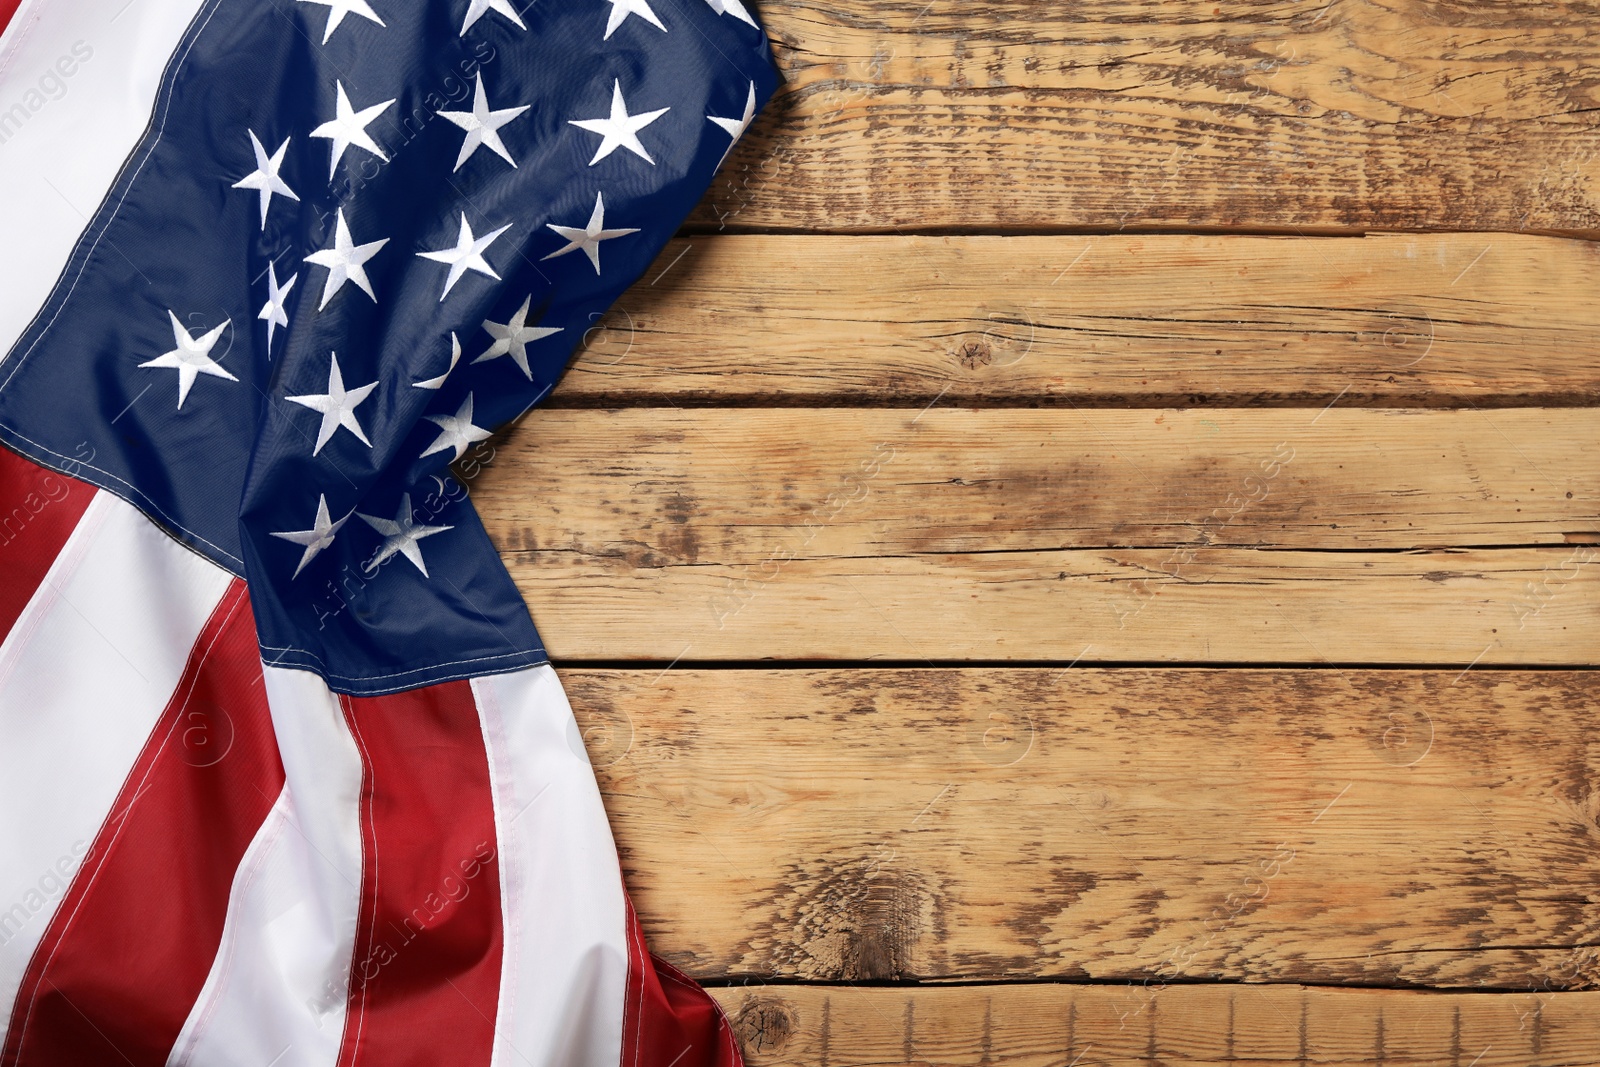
(7, 9)
(38, 512)
(128, 951)
(425, 977)
(668, 1020)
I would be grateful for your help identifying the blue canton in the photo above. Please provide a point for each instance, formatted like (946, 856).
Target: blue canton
(358, 237)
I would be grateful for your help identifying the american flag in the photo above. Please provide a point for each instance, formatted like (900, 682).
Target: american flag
(287, 778)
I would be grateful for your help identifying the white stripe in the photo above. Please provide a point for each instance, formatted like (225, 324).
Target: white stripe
(78, 81)
(279, 984)
(565, 969)
(84, 674)
(252, 864)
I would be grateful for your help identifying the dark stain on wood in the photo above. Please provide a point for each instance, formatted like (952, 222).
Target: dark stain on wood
(1232, 1006)
(1067, 885)
(678, 534)
(825, 1035)
(858, 917)
(1304, 1053)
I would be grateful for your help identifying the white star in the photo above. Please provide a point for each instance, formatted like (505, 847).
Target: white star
(588, 237)
(732, 7)
(264, 179)
(482, 126)
(349, 127)
(455, 357)
(476, 9)
(337, 406)
(345, 262)
(456, 431)
(466, 255)
(514, 337)
(273, 312)
(338, 9)
(621, 9)
(736, 127)
(620, 130)
(319, 537)
(192, 357)
(401, 535)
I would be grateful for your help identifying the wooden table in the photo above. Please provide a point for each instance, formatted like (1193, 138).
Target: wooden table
(1086, 550)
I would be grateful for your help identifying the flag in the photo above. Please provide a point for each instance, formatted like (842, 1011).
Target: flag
(287, 776)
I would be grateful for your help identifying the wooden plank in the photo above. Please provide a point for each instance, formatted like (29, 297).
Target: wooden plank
(712, 486)
(1424, 320)
(1356, 827)
(1343, 115)
(1094, 1026)
(945, 535)
(1534, 606)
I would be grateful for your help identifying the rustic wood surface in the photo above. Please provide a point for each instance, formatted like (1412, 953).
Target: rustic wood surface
(1201, 1025)
(1314, 116)
(1413, 320)
(1327, 827)
(1022, 355)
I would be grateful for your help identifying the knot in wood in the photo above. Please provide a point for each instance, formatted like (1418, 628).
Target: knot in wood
(975, 354)
(765, 1024)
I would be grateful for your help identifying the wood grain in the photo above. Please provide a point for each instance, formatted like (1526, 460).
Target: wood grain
(1325, 827)
(1422, 320)
(1337, 116)
(1271, 536)
(1094, 1026)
